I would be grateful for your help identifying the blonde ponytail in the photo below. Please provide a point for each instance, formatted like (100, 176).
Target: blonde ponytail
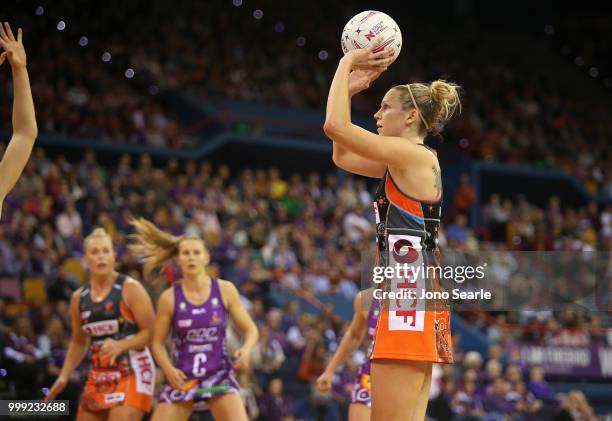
(155, 246)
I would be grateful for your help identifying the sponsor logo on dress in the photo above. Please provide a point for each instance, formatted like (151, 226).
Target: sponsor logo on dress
(215, 302)
(85, 314)
(101, 328)
(105, 377)
(200, 310)
(204, 334)
(215, 319)
(182, 305)
(144, 370)
(184, 323)
(200, 348)
(108, 307)
(406, 314)
(114, 397)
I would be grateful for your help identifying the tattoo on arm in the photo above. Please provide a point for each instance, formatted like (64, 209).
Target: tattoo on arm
(437, 180)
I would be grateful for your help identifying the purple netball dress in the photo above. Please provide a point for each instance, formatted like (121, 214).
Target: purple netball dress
(362, 388)
(200, 351)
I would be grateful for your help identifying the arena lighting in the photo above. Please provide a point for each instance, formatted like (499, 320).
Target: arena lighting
(129, 73)
(258, 14)
(323, 55)
(106, 57)
(83, 41)
(61, 25)
(593, 72)
(39, 11)
(579, 61)
(279, 27)
(237, 3)
(300, 41)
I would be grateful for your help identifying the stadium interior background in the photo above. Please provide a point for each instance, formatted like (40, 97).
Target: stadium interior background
(207, 116)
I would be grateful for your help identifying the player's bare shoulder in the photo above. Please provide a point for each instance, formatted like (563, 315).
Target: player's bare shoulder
(229, 292)
(166, 300)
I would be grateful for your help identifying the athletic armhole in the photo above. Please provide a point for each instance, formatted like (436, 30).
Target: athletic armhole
(121, 279)
(221, 291)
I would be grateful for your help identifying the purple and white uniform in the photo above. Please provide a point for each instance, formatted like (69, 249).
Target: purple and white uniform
(363, 387)
(200, 350)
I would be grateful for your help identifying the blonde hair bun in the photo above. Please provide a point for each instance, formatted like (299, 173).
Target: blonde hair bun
(447, 96)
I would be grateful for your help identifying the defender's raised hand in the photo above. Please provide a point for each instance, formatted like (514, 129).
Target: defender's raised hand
(13, 48)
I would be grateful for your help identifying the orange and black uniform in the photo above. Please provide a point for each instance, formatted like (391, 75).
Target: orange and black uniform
(406, 233)
(130, 380)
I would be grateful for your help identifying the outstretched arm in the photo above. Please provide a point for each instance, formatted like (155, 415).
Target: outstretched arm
(244, 323)
(343, 157)
(24, 121)
(385, 150)
(79, 342)
(350, 342)
(163, 323)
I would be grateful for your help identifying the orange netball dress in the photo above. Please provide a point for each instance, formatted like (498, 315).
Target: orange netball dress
(130, 380)
(406, 233)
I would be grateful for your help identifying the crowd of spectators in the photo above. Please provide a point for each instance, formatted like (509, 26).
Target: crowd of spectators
(521, 226)
(270, 234)
(491, 388)
(514, 112)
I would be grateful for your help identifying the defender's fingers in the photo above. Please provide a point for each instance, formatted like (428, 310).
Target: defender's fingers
(3, 35)
(9, 32)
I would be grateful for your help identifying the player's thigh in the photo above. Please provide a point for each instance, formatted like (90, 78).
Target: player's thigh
(421, 407)
(178, 411)
(359, 412)
(228, 407)
(92, 416)
(396, 388)
(125, 413)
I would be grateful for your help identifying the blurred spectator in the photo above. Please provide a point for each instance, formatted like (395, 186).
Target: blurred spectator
(496, 401)
(24, 361)
(457, 233)
(267, 355)
(274, 405)
(538, 386)
(464, 196)
(439, 408)
(466, 405)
